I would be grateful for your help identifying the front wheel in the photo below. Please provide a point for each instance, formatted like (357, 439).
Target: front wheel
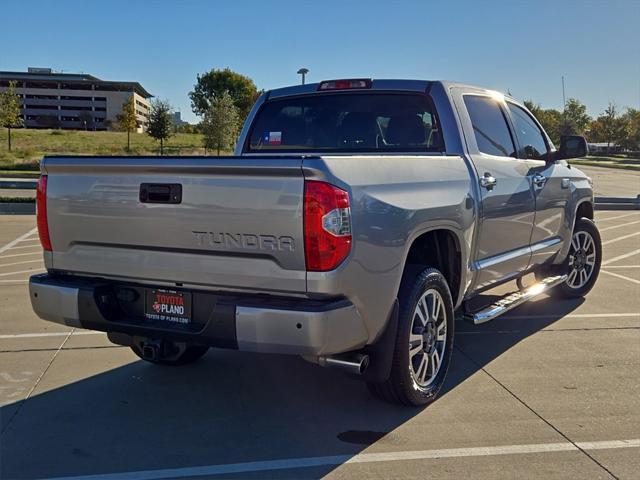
(583, 261)
(424, 342)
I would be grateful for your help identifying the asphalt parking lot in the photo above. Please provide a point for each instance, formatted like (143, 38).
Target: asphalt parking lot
(551, 391)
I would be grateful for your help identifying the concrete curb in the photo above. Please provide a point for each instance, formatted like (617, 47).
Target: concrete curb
(29, 176)
(18, 184)
(18, 208)
(617, 203)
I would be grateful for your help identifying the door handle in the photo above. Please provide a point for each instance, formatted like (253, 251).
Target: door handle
(488, 181)
(160, 193)
(539, 180)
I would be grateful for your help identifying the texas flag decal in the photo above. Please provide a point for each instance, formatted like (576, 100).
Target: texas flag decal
(272, 138)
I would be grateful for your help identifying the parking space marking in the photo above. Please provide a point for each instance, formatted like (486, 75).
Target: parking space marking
(14, 281)
(21, 254)
(619, 226)
(36, 270)
(621, 257)
(623, 266)
(308, 462)
(607, 219)
(19, 263)
(632, 280)
(50, 334)
(18, 240)
(617, 239)
(27, 246)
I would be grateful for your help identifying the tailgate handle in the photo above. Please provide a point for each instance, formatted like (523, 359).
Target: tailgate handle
(160, 193)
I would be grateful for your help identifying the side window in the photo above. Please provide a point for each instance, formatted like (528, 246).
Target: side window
(530, 138)
(489, 126)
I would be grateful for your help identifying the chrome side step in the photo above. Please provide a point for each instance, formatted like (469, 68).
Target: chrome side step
(513, 300)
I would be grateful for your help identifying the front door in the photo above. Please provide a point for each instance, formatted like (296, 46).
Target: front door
(551, 186)
(507, 209)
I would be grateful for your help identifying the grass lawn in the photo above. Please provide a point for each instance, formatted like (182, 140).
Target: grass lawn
(30, 145)
(620, 162)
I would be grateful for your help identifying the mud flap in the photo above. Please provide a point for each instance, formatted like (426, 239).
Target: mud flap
(381, 352)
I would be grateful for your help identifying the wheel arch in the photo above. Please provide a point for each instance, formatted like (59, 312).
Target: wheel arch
(438, 248)
(584, 210)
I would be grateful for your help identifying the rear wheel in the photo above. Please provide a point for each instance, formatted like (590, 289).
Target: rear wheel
(424, 342)
(168, 353)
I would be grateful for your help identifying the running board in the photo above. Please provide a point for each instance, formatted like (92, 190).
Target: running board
(513, 300)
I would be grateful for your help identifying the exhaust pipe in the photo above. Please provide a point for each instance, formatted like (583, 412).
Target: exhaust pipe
(356, 364)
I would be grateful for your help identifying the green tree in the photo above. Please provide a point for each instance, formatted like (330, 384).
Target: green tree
(128, 120)
(221, 123)
(574, 120)
(548, 118)
(10, 114)
(160, 125)
(631, 127)
(608, 127)
(212, 84)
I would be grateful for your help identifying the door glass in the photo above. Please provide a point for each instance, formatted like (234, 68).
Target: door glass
(489, 126)
(530, 138)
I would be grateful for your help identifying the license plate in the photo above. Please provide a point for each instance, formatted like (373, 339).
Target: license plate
(167, 305)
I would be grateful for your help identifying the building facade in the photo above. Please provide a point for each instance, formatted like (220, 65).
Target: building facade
(74, 101)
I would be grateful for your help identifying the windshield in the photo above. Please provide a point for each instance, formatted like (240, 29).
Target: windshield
(347, 122)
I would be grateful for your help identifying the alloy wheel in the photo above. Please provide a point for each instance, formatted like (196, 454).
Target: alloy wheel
(427, 338)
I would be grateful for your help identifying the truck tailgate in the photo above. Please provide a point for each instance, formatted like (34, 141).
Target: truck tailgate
(238, 223)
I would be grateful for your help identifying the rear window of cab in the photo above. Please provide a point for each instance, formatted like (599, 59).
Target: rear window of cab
(347, 122)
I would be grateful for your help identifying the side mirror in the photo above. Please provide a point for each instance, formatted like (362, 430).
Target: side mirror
(572, 146)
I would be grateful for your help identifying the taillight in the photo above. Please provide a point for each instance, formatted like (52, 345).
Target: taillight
(327, 226)
(41, 213)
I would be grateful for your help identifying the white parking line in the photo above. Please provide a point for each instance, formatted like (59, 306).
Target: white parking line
(606, 219)
(621, 257)
(27, 246)
(21, 254)
(632, 280)
(17, 240)
(624, 237)
(35, 270)
(623, 266)
(51, 334)
(14, 281)
(307, 462)
(619, 226)
(19, 263)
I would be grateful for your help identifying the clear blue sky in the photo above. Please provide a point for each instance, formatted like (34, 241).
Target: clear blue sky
(520, 45)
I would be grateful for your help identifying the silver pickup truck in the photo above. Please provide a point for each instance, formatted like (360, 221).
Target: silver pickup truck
(356, 220)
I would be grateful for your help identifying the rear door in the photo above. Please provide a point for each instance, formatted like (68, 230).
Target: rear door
(550, 182)
(507, 208)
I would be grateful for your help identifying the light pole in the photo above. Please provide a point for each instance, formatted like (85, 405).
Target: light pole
(303, 72)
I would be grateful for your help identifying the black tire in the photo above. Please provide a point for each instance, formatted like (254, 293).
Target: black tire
(166, 356)
(401, 387)
(566, 290)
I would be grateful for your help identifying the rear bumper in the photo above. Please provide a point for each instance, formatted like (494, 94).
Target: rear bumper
(244, 322)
